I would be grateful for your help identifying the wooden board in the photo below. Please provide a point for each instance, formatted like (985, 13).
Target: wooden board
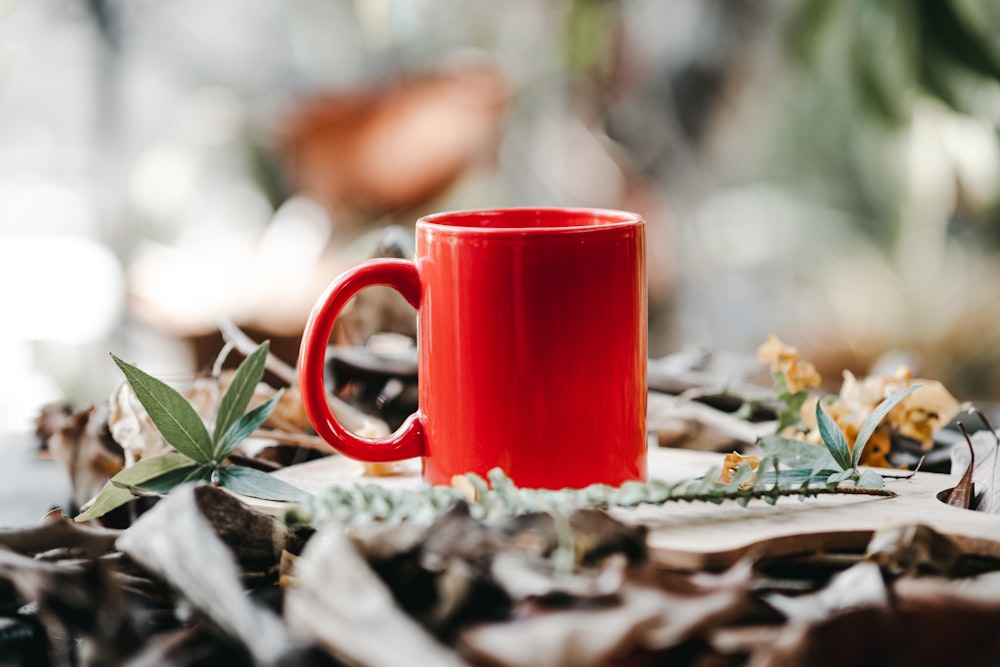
(702, 535)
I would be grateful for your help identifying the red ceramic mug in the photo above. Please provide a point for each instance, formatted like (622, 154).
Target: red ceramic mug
(532, 345)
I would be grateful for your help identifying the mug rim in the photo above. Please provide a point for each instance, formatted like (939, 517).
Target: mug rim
(600, 218)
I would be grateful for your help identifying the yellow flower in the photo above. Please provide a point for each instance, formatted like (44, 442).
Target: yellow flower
(731, 462)
(918, 416)
(922, 413)
(781, 357)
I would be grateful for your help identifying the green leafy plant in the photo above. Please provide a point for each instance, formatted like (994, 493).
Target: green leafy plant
(200, 457)
(837, 461)
(789, 403)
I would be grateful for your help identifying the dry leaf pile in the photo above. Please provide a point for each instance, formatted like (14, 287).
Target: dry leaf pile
(201, 579)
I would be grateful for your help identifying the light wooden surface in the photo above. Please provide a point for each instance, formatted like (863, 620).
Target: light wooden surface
(701, 535)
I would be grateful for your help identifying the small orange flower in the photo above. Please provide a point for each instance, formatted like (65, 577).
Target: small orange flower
(918, 416)
(799, 374)
(731, 462)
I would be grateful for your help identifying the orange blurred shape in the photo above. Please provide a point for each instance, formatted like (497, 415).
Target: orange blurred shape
(396, 145)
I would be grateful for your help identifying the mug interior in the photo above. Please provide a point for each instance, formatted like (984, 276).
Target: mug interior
(531, 218)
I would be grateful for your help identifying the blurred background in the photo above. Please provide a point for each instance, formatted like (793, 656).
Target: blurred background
(825, 171)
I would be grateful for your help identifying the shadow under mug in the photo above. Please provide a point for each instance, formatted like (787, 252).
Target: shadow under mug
(532, 347)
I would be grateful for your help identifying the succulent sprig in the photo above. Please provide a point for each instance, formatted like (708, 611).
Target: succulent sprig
(497, 496)
(790, 468)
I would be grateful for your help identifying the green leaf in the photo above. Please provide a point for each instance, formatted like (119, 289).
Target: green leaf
(871, 479)
(798, 476)
(768, 471)
(789, 414)
(742, 473)
(257, 484)
(109, 498)
(838, 477)
(171, 479)
(780, 383)
(796, 453)
(149, 468)
(808, 22)
(874, 419)
(875, 64)
(239, 392)
(116, 492)
(243, 427)
(947, 28)
(790, 402)
(833, 438)
(172, 415)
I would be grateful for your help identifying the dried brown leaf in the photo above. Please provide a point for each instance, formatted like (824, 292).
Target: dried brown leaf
(58, 532)
(937, 631)
(860, 586)
(85, 450)
(981, 459)
(176, 541)
(340, 604)
(913, 549)
(645, 619)
(963, 495)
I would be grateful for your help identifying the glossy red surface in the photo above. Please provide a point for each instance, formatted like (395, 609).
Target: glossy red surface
(532, 347)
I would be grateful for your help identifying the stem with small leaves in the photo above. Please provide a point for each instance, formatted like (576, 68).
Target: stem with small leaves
(498, 496)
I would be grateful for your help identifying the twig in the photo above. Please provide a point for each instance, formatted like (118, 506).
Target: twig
(234, 335)
(299, 439)
(58, 531)
(220, 359)
(996, 442)
(986, 422)
(352, 418)
(907, 475)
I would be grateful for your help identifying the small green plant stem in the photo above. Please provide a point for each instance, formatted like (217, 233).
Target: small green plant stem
(372, 504)
(785, 492)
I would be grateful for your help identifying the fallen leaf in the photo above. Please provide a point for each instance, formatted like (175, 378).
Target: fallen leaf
(177, 542)
(963, 495)
(340, 604)
(913, 549)
(977, 462)
(644, 619)
(860, 586)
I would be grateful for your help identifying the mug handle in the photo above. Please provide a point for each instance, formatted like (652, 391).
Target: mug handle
(408, 441)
